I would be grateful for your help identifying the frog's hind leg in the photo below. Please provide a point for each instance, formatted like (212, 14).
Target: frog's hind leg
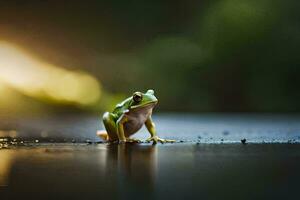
(110, 126)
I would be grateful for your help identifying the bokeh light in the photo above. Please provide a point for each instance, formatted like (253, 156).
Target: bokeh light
(42, 80)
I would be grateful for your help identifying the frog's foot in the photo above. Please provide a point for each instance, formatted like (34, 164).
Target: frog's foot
(103, 135)
(133, 140)
(156, 139)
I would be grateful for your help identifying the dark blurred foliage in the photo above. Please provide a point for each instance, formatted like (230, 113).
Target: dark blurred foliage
(222, 55)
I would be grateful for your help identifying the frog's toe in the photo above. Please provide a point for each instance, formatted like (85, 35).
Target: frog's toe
(170, 141)
(161, 140)
(156, 139)
(122, 141)
(151, 139)
(165, 140)
(133, 140)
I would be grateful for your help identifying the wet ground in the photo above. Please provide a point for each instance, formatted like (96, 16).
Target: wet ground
(205, 128)
(60, 158)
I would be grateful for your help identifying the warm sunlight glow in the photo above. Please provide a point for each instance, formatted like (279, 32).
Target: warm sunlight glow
(42, 80)
(5, 166)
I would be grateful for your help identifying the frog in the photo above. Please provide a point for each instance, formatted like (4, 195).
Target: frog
(128, 117)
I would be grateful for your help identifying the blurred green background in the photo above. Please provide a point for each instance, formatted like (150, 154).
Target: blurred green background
(198, 55)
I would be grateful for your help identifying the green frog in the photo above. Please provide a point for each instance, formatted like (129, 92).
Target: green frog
(128, 117)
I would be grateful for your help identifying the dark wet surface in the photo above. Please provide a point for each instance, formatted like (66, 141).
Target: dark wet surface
(210, 163)
(177, 171)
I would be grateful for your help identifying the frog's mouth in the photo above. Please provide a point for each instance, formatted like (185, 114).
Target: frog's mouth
(144, 105)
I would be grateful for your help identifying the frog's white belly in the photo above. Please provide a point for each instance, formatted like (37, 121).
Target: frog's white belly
(136, 119)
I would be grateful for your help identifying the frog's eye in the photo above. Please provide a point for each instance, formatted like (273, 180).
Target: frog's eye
(137, 97)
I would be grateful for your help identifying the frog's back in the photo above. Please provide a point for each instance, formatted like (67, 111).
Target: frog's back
(121, 108)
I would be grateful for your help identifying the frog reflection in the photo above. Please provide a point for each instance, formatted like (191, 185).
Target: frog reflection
(132, 166)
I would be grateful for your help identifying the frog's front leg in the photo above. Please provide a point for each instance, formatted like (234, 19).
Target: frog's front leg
(121, 134)
(120, 128)
(151, 128)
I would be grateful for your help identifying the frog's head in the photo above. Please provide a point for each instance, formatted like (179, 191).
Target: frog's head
(140, 99)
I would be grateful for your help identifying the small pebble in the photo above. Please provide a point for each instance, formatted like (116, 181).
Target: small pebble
(89, 141)
(243, 141)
